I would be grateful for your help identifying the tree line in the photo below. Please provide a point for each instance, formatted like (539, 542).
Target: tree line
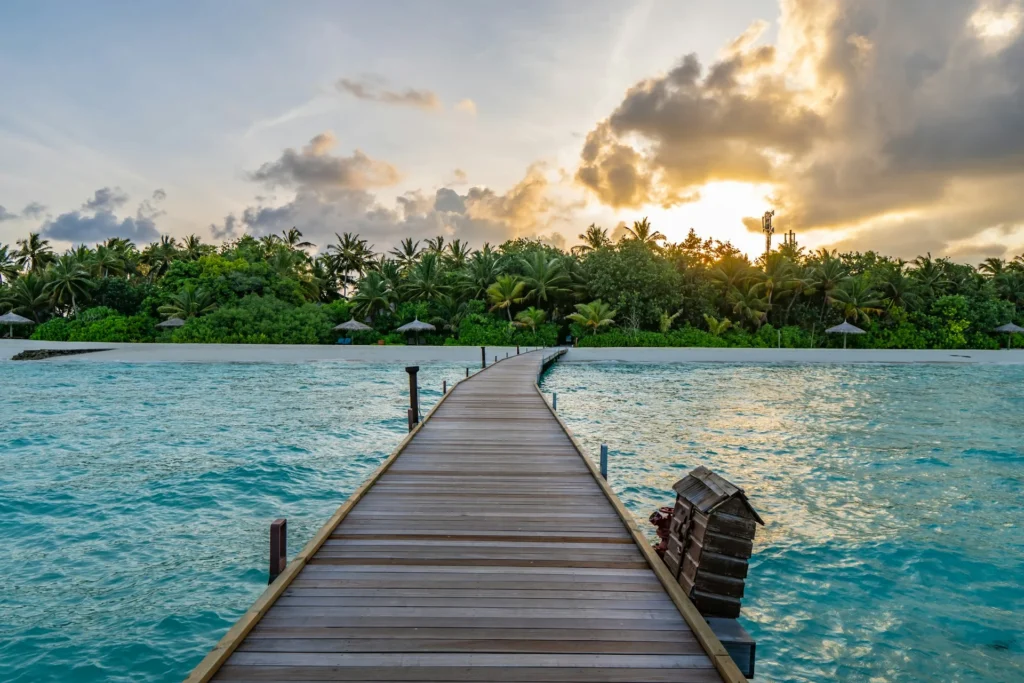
(640, 290)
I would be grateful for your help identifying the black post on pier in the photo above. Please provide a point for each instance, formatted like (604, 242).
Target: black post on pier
(278, 548)
(483, 356)
(517, 349)
(414, 396)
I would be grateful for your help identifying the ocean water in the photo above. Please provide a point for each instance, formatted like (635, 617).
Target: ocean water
(135, 500)
(893, 496)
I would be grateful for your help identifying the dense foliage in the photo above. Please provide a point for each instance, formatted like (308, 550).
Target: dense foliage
(640, 291)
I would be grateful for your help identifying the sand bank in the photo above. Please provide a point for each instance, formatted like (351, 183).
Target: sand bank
(269, 353)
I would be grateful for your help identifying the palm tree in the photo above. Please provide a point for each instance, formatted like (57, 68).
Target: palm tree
(436, 244)
(828, 276)
(643, 233)
(68, 281)
(898, 287)
(8, 265)
(802, 284)
(543, 276)
(483, 268)
(777, 276)
(160, 255)
(857, 299)
(350, 254)
(29, 297)
(425, 280)
(1010, 286)
(992, 266)
(593, 316)
(293, 238)
(35, 253)
(190, 302)
(593, 239)
(732, 272)
(747, 303)
(193, 248)
(373, 294)
(458, 254)
(715, 326)
(665, 320)
(448, 313)
(107, 262)
(406, 253)
(506, 291)
(930, 276)
(531, 318)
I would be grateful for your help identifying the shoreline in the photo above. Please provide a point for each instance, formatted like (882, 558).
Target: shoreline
(280, 353)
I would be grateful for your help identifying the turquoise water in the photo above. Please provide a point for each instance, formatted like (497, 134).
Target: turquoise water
(136, 499)
(893, 495)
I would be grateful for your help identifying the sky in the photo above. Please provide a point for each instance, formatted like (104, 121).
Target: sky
(865, 124)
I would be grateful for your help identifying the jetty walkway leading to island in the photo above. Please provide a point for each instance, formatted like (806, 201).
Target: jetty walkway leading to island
(485, 548)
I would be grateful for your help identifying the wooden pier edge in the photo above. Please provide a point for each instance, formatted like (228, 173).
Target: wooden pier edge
(705, 636)
(206, 669)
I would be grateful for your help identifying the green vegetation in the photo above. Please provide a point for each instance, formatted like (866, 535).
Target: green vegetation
(640, 291)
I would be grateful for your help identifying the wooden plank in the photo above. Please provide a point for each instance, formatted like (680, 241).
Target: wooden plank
(488, 551)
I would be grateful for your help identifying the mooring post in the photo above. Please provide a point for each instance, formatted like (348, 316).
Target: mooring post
(414, 396)
(278, 548)
(517, 349)
(444, 386)
(554, 401)
(506, 354)
(495, 359)
(467, 372)
(604, 461)
(483, 357)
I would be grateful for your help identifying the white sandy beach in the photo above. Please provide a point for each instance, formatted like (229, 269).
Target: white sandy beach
(268, 353)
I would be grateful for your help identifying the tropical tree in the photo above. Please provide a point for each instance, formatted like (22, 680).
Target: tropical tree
(507, 291)
(34, 253)
(350, 254)
(543, 276)
(190, 302)
(160, 255)
(645, 234)
(8, 264)
(530, 318)
(407, 253)
(292, 237)
(666, 320)
(373, 295)
(593, 239)
(68, 281)
(593, 316)
(715, 326)
(828, 276)
(748, 304)
(425, 279)
(483, 268)
(458, 254)
(28, 296)
(857, 299)
(449, 313)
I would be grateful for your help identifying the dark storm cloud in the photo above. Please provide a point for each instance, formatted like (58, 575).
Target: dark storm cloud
(874, 114)
(409, 97)
(79, 228)
(106, 199)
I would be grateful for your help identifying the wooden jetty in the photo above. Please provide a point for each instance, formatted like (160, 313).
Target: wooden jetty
(486, 548)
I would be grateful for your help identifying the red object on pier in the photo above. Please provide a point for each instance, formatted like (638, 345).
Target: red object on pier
(662, 519)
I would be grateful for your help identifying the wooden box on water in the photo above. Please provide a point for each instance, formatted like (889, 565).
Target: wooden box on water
(711, 538)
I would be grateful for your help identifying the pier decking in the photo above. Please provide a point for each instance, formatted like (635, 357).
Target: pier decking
(486, 548)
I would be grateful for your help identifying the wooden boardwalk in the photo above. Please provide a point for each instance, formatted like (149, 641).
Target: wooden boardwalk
(486, 548)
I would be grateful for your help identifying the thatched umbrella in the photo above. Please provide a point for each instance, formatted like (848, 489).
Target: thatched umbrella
(1011, 330)
(171, 322)
(12, 319)
(416, 326)
(352, 325)
(844, 329)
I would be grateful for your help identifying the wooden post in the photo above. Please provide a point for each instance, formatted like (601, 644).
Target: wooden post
(467, 372)
(554, 401)
(444, 386)
(414, 396)
(604, 461)
(495, 359)
(517, 349)
(483, 357)
(278, 548)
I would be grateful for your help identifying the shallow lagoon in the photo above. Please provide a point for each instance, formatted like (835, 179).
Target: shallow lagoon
(136, 501)
(894, 497)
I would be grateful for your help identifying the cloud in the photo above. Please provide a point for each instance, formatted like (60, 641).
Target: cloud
(334, 193)
(33, 210)
(466, 106)
(106, 199)
(865, 114)
(6, 215)
(79, 227)
(314, 169)
(459, 177)
(410, 97)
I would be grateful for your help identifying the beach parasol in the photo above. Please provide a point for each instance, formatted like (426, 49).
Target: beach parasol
(417, 326)
(844, 329)
(352, 326)
(12, 319)
(172, 322)
(1009, 328)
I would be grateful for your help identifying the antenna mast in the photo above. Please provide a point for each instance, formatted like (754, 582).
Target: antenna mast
(768, 230)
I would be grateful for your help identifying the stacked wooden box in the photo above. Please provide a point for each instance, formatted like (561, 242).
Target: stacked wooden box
(711, 538)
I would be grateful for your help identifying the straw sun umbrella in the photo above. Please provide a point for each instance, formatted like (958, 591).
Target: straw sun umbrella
(351, 326)
(844, 329)
(416, 326)
(171, 322)
(12, 319)
(1008, 328)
